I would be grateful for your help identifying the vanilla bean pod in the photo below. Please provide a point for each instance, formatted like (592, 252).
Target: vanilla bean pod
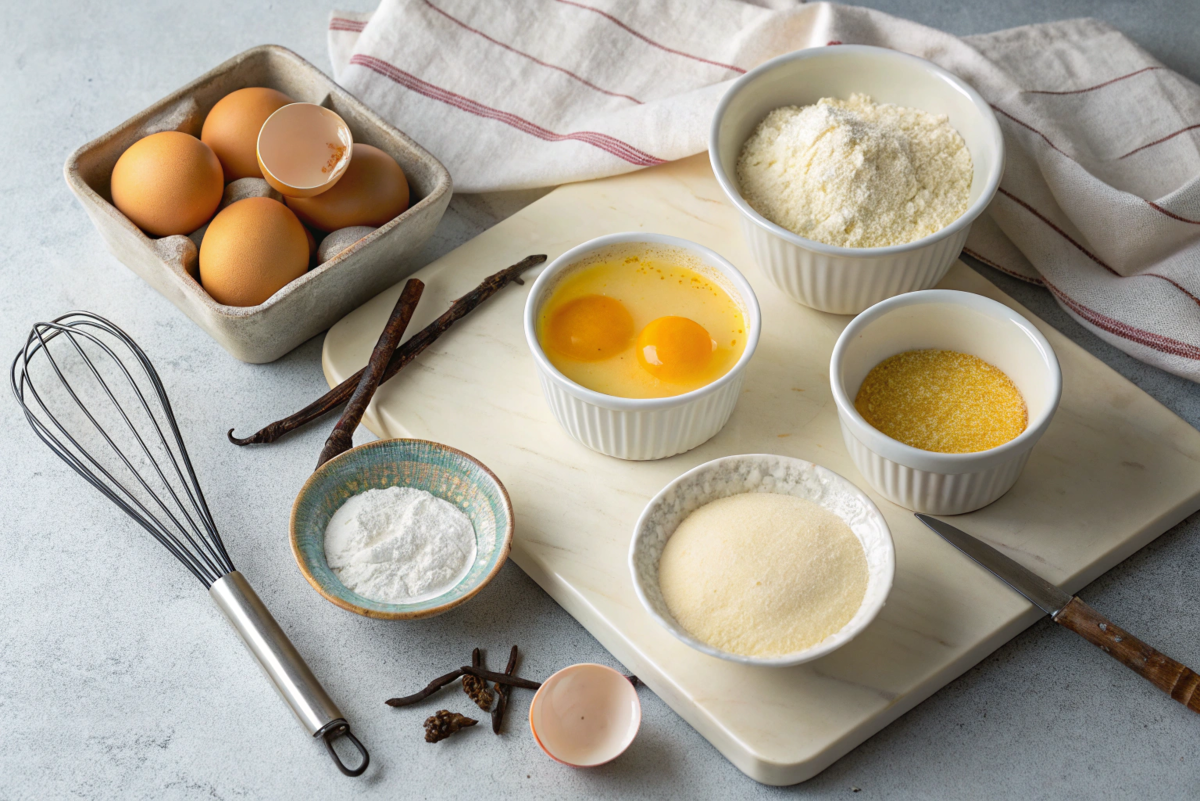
(502, 692)
(466, 670)
(403, 355)
(341, 439)
(511, 681)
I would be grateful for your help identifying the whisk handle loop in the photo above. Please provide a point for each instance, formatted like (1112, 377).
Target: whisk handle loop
(283, 664)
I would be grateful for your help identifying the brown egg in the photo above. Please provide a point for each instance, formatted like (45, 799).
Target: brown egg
(312, 242)
(251, 250)
(371, 192)
(231, 128)
(167, 183)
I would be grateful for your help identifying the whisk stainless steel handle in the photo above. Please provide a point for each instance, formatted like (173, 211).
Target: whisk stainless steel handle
(98, 386)
(284, 666)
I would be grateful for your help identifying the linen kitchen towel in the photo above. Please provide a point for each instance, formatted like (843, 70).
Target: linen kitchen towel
(1100, 202)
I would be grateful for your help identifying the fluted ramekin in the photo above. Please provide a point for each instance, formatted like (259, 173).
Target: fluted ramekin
(943, 483)
(839, 279)
(642, 428)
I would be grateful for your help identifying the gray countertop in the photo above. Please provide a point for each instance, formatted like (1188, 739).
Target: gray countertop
(120, 679)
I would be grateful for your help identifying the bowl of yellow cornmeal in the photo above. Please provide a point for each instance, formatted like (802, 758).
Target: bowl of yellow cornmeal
(762, 559)
(942, 396)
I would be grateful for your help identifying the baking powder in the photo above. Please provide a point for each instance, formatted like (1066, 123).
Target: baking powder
(399, 545)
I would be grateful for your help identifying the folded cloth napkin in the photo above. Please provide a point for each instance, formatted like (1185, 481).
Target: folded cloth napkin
(1100, 202)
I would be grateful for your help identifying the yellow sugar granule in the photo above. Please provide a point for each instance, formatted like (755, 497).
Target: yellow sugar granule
(942, 401)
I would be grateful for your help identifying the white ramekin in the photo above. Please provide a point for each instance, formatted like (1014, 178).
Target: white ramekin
(642, 428)
(943, 483)
(848, 280)
(762, 472)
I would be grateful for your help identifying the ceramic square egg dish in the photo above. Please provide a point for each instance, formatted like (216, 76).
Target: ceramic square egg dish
(324, 294)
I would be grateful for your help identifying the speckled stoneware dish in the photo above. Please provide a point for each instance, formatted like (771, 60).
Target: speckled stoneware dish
(761, 472)
(323, 295)
(440, 470)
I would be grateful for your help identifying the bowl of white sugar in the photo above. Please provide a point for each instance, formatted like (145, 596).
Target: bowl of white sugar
(401, 529)
(762, 559)
(857, 171)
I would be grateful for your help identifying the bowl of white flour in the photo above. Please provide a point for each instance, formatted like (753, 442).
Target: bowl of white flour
(857, 171)
(401, 529)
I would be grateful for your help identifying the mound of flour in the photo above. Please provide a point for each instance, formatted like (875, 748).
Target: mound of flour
(855, 174)
(399, 545)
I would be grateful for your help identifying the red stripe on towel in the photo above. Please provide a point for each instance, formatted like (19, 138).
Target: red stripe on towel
(1116, 327)
(1160, 141)
(1005, 270)
(648, 40)
(1056, 229)
(1171, 214)
(511, 49)
(607, 143)
(1031, 128)
(342, 24)
(1045, 138)
(1088, 253)
(1090, 88)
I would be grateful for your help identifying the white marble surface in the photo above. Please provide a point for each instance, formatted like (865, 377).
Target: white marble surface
(575, 509)
(120, 680)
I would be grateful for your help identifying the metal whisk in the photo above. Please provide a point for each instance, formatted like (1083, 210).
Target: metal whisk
(91, 394)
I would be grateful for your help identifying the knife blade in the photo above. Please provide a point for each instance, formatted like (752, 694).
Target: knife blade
(1040, 592)
(1173, 678)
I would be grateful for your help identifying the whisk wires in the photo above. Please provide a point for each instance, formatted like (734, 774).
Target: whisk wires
(77, 380)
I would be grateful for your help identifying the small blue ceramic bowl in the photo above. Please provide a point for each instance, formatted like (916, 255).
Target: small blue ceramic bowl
(440, 470)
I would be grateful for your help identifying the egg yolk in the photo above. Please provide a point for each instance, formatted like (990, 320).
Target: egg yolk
(674, 348)
(590, 328)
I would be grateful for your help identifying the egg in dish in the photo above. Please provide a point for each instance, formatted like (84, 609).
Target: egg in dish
(644, 324)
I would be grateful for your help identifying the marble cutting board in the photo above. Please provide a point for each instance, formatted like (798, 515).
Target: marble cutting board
(1115, 470)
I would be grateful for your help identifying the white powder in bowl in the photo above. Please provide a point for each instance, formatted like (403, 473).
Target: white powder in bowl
(762, 574)
(399, 545)
(853, 173)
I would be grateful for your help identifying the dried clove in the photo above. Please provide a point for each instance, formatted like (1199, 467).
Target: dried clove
(476, 687)
(443, 723)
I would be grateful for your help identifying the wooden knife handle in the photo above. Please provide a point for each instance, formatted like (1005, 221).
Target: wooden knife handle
(1176, 680)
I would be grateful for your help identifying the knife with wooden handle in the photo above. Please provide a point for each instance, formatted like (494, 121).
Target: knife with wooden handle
(1176, 680)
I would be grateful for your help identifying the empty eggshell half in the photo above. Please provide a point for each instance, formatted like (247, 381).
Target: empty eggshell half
(585, 715)
(303, 149)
